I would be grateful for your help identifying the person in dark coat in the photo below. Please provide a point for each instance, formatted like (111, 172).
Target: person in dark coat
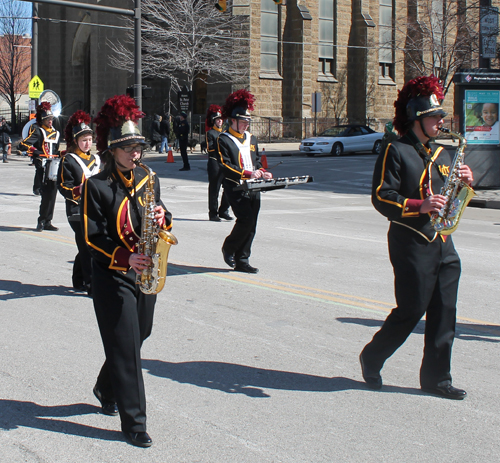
(240, 159)
(213, 127)
(42, 143)
(165, 133)
(112, 210)
(183, 137)
(77, 165)
(407, 181)
(156, 132)
(4, 138)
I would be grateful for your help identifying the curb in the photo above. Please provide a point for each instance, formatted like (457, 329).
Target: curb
(484, 203)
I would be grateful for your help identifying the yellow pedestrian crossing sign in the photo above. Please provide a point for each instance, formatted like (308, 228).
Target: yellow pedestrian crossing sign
(35, 87)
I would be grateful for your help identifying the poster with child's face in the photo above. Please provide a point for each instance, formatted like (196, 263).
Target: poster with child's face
(481, 116)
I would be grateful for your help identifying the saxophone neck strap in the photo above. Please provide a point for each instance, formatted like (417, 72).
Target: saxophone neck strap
(423, 152)
(132, 200)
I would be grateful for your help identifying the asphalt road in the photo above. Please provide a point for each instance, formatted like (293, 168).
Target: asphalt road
(247, 368)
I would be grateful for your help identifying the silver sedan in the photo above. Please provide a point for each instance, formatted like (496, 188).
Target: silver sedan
(343, 139)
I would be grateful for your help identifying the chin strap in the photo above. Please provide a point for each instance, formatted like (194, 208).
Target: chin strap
(431, 139)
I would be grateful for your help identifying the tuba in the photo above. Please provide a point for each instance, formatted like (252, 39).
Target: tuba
(457, 193)
(154, 242)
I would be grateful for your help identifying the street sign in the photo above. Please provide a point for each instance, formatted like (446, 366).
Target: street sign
(316, 102)
(489, 47)
(489, 21)
(184, 97)
(35, 87)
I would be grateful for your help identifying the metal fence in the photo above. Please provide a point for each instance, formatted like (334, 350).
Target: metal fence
(22, 116)
(279, 130)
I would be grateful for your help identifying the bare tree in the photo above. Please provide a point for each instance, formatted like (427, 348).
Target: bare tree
(15, 53)
(438, 37)
(187, 40)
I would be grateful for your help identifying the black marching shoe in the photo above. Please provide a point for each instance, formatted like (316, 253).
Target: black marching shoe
(39, 227)
(447, 391)
(245, 268)
(185, 168)
(372, 379)
(50, 227)
(37, 192)
(214, 218)
(229, 259)
(108, 407)
(225, 216)
(139, 439)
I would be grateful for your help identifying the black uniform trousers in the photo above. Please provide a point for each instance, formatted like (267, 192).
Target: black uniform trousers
(246, 206)
(183, 146)
(125, 318)
(82, 266)
(39, 173)
(215, 177)
(49, 194)
(426, 282)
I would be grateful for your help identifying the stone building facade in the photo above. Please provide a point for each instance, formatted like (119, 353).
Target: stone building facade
(338, 48)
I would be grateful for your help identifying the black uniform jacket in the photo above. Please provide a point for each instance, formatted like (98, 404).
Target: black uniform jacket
(112, 225)
(71, 178)
(231, 159)
(183, 130)
(403, 179)
(35, 143)
(211, 139)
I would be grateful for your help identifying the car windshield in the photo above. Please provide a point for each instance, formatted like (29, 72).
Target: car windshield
(333, 132)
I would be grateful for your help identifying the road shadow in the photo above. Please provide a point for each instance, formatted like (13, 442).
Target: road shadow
(4, 228)
(464, 331)
(250, 381)
(178, 269)
(18, 290)
(17, 413)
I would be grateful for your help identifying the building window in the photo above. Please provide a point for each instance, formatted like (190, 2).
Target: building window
(269, 31)
(326, 50)
(386, 39)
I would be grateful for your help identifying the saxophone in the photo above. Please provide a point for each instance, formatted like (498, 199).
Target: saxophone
(457, 193)
(154, 242)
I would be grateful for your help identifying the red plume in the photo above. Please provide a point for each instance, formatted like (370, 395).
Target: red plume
(421, 86)
(114, 113)
(239, 99)
(212, 109)
(77, 118)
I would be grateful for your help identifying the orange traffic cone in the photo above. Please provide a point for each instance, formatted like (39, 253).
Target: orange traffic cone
(170, 156)
(263, 158)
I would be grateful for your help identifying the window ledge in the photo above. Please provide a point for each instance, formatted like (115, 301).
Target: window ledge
(324, 78)
(385, 81)
(270, 75)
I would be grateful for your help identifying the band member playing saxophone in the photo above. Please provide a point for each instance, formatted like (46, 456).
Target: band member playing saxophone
(112, 221)
(407, 180)
(240, 159)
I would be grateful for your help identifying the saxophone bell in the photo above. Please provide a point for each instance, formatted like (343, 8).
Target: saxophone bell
(458, 194)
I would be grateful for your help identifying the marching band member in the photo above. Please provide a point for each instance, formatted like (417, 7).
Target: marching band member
(42, 143)
(77, 165)
(112, 219)
(407, 180)
(213, 127)
(240, 159)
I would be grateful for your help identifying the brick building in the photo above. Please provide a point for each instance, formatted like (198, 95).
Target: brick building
(350, 51)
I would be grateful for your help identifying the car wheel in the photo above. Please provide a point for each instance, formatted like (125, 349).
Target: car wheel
(337, 149)
(376, 147)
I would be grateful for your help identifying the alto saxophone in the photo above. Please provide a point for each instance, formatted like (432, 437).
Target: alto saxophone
(154, 242)
(457, 193)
